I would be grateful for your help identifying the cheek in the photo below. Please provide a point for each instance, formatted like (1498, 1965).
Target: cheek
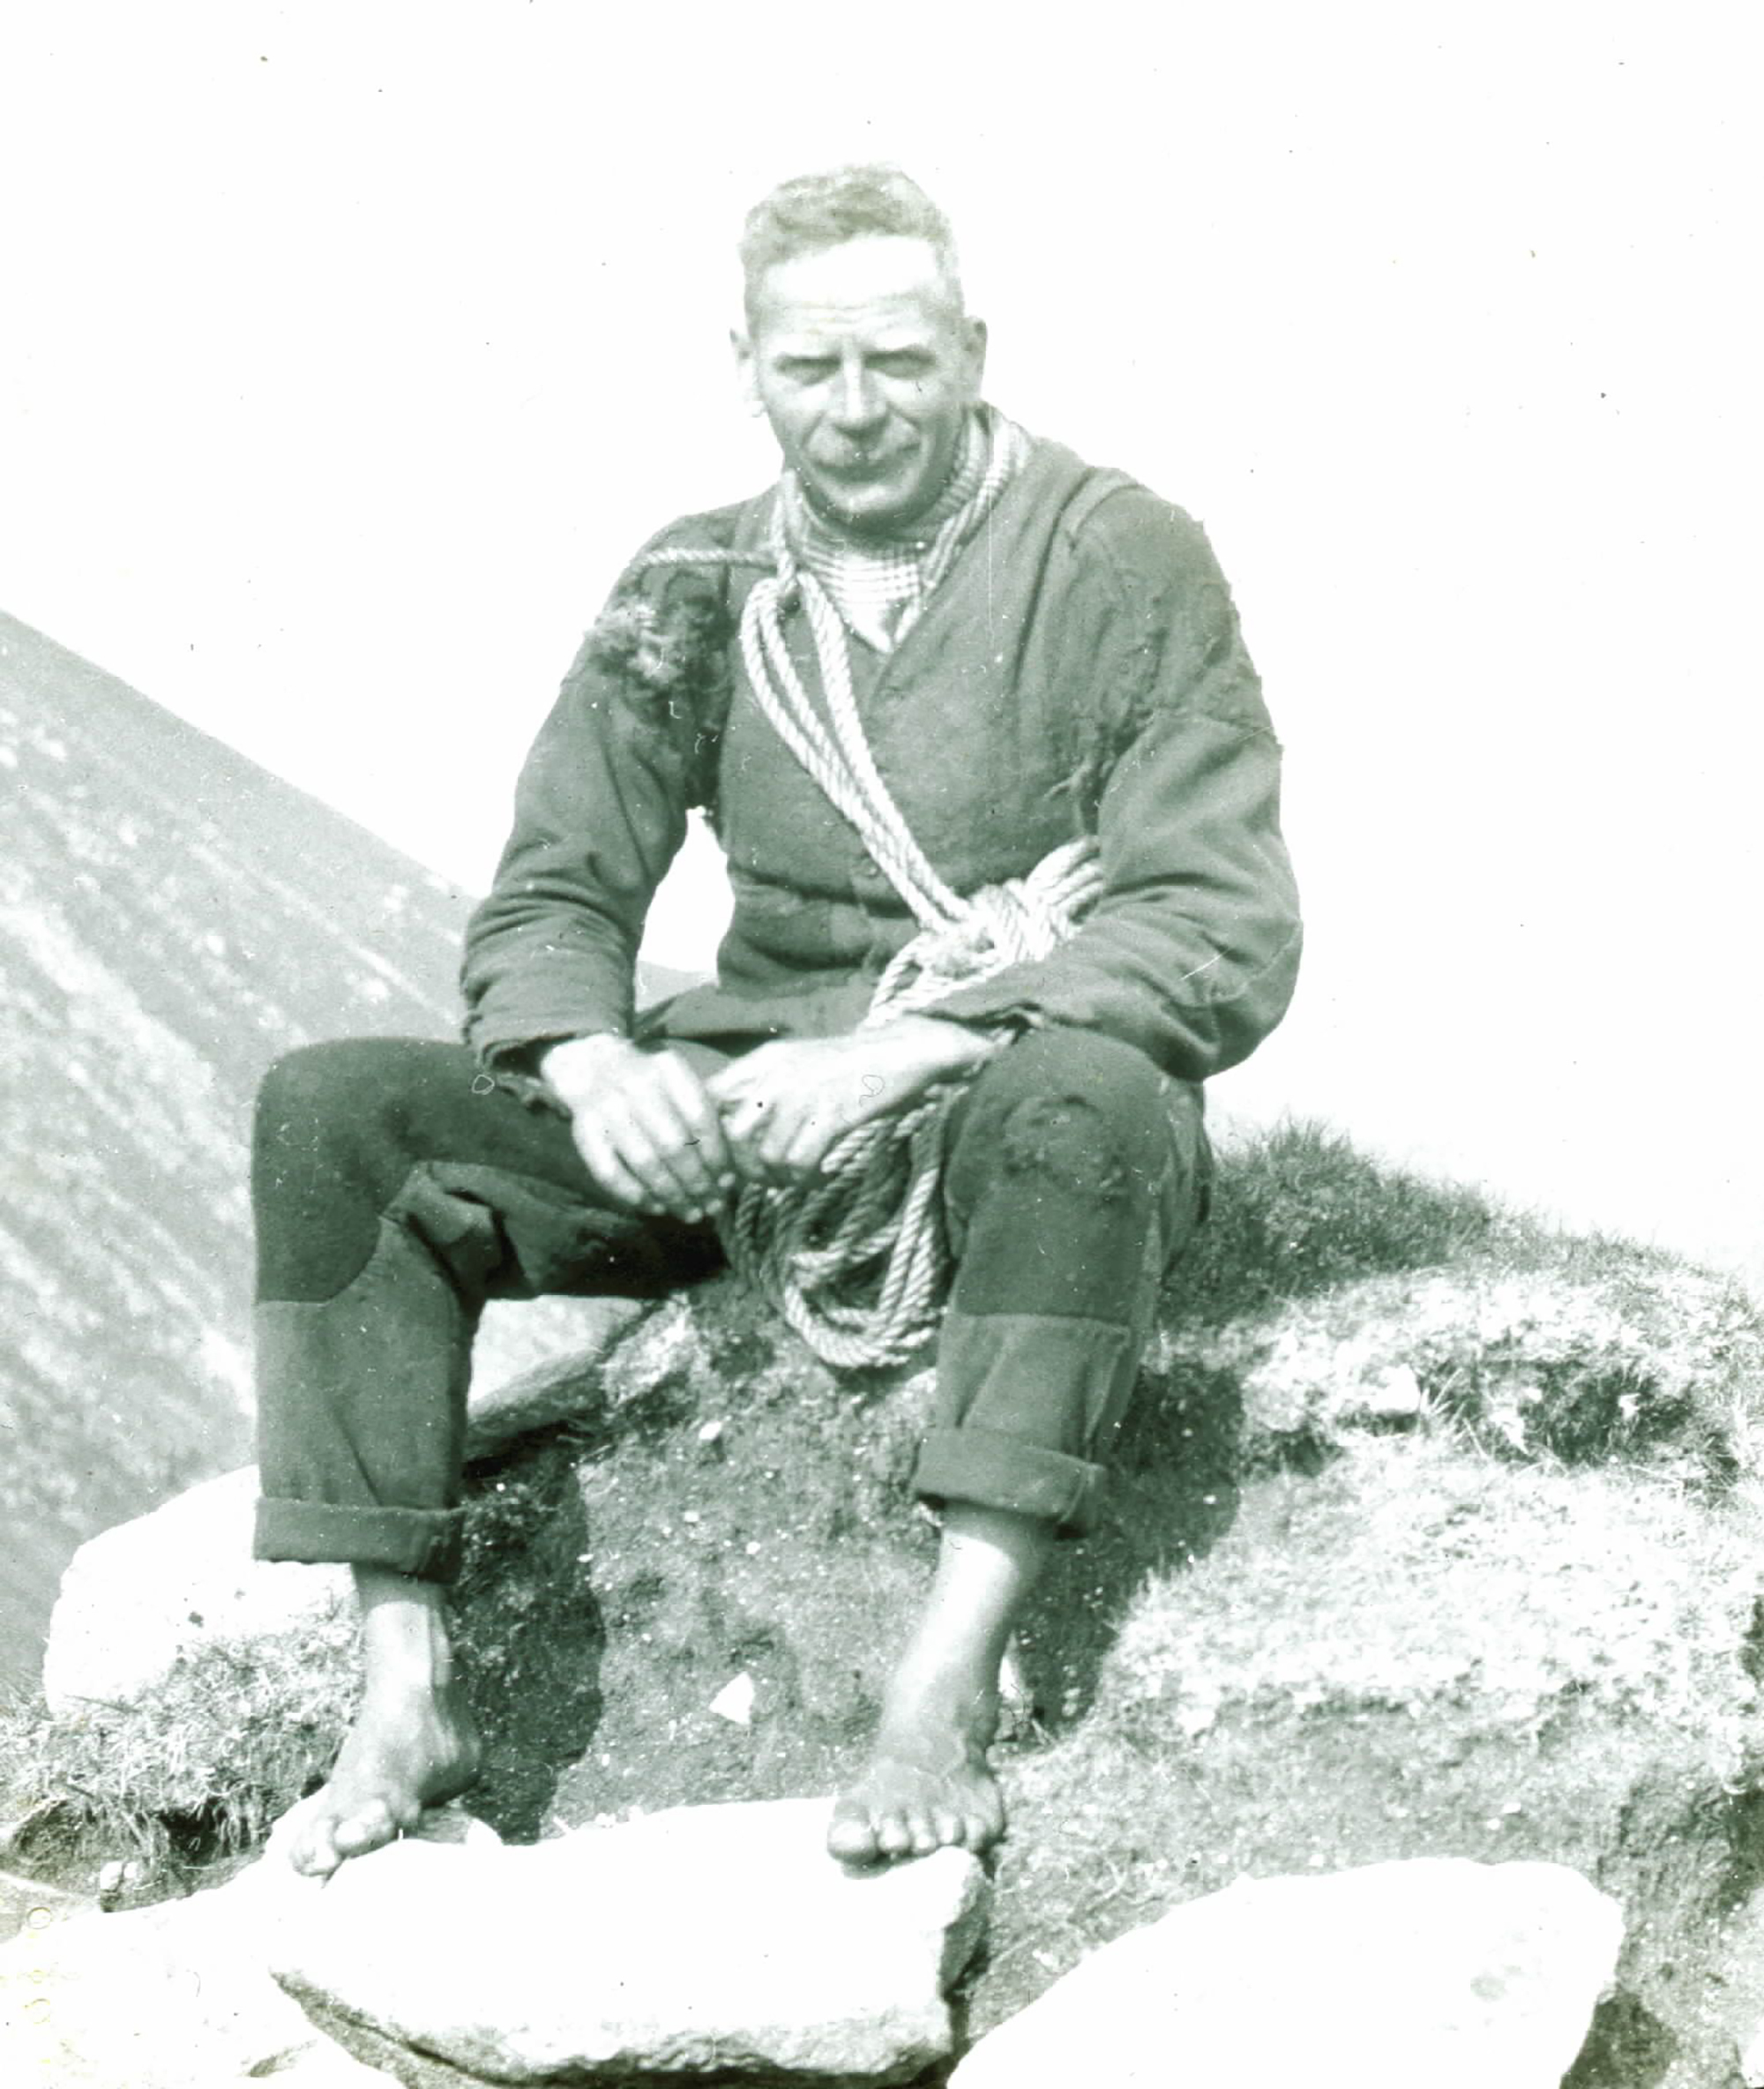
(794, 419)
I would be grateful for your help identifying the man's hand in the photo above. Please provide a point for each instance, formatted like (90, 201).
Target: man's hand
(784, 1104)
(645, 1125)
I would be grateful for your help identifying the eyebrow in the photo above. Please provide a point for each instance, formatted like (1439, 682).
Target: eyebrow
(809, 349)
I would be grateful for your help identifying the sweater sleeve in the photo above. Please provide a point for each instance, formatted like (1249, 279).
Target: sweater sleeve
(600, 812)
(1193, 951)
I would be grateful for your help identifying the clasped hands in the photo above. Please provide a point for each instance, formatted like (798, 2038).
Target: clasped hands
(658, 1138)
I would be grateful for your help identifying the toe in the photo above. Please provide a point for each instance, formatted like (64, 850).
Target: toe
(950, 1829)
(981, 1831)
(851, 1838)
(315, 1856)
(893, 1836)
(302, 1837)
(367, 1828)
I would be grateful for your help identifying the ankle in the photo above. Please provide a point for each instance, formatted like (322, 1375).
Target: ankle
(406, 1642)
(925, 1690)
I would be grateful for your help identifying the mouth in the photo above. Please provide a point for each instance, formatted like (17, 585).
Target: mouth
(868, 465)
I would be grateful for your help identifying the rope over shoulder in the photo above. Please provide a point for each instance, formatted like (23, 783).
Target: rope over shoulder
(856, 1261)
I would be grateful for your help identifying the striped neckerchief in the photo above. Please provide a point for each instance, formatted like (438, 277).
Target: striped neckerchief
(879, 585)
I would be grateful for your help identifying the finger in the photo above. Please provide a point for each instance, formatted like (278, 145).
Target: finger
(697, 1115)
(601, 1160)
(656, 1145)
(810, 1143)
(673, 1139)
(801, 1126)
(761, 1135)
(742, 1122)
(786, 1138)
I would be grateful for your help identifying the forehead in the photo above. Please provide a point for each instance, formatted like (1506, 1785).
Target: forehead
(863, 286)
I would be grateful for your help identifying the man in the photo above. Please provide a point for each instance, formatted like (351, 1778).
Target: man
(1032, 651)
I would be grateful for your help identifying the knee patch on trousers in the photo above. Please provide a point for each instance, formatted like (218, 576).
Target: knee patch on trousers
(1065, 1140)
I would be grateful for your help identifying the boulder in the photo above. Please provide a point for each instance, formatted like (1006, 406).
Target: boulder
(1440, 1972)
(1417, 1652)
(136, 1599)
(176, 1997)
(708, 1938)
(30, 1904)
(705, 1939)
(531, 1359)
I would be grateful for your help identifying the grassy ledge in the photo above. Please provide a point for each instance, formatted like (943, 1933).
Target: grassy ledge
(1436, 1532)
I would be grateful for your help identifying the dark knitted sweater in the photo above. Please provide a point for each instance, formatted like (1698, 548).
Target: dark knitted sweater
(1080, 669)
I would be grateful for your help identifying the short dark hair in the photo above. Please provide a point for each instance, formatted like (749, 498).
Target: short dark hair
(815, 211)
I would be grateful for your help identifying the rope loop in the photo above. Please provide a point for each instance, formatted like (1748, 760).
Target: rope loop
(856, 1259)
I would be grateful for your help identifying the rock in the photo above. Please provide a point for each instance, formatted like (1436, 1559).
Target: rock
(175, 1996)
(734, 1701)
(1393, 1395)
(1413, 1652)
(536, 1359)
(664, 1347)
(1551, 1360)
(1438, 1971)
(28, 1904)
(136, 1598)
(705, 1938)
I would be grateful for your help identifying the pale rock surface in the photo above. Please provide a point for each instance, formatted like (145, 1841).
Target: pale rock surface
(702, 1938)
(135, 1598)
(176, 1997)
(27, 1904)
(1436, 1971)
(532, 1359)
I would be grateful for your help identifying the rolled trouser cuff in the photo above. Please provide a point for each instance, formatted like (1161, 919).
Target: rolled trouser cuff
(424, 1543)
(996, 1471)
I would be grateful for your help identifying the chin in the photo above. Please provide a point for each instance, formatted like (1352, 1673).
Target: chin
(872, 508)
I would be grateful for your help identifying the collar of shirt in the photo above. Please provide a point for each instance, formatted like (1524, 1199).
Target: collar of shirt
(880, 586)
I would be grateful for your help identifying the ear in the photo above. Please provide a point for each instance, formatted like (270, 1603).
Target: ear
(746, 370)
(976, 351)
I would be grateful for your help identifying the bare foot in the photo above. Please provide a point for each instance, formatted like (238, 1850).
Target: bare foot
(408, 1749)
(927, 1786)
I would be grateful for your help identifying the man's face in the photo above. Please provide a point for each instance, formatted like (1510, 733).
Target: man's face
(865, 366)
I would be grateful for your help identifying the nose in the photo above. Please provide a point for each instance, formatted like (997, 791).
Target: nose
(857, 403)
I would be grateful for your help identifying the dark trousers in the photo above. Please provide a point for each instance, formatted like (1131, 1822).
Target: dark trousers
(396, 1190)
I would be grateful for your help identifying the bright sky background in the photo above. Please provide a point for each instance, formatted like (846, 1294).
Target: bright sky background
(347, 349)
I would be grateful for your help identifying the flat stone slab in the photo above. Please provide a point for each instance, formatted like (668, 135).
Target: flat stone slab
(1438, 1972)
(718, 1938)
(174, 1996)
(27, 1905)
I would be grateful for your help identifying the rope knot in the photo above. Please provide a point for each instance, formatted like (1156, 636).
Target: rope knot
(1019, 920)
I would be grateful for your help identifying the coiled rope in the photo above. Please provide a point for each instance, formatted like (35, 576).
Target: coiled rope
(855, 1259)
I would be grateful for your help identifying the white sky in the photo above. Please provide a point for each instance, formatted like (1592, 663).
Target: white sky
(345, 351)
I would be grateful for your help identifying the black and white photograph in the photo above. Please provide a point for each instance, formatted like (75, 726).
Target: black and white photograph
(879, 1118)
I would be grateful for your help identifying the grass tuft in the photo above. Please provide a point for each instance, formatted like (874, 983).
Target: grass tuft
(1298, 1209)
(235, 1733)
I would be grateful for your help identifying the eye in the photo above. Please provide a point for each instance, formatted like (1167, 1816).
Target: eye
(805, 369)
(901, 363)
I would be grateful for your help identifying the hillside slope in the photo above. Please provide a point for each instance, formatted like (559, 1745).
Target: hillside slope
(171, 918)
